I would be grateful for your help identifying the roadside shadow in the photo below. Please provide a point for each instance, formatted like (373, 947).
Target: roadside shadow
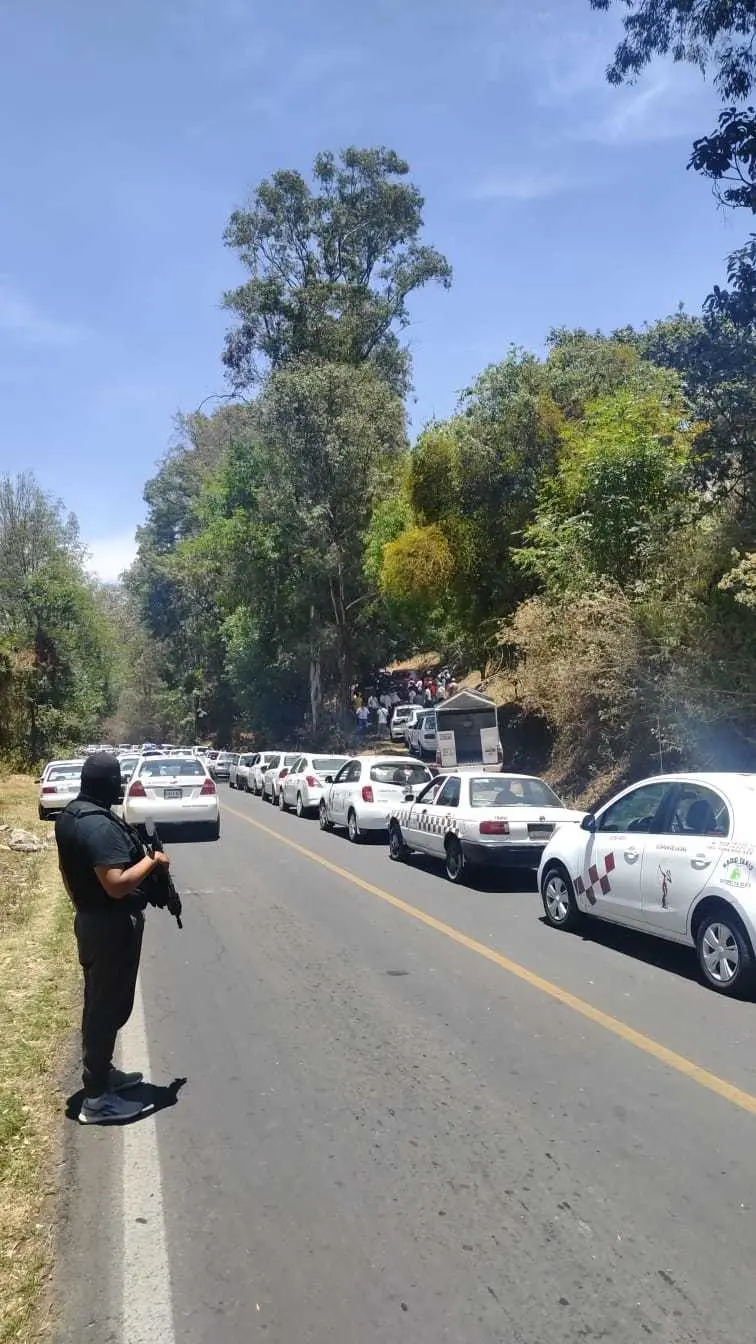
(490, 881)
(153, 1097)
(658, 952)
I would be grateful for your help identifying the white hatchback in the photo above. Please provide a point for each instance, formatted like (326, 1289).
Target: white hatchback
(484, 821)
(173, 791)
(303, 787)
(59, 784)
(366, 790)
(673, 856)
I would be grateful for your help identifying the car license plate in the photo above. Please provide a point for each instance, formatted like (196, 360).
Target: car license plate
(540, 832)
(173, 793)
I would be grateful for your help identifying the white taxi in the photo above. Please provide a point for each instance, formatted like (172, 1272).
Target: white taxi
(475, 820)
(303, 787)
(673, 856)
(173, 791)
(366, 790)
(59, 784)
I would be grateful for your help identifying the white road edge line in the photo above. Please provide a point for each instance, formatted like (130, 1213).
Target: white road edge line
(147, 1309)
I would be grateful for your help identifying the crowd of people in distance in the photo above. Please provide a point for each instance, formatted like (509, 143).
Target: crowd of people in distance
(374, 704)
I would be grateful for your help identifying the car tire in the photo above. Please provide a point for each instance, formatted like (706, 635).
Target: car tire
(41, 812)
(281, 801)
(558, 895)
(213, 830)
(353, 827)
(325, 824)
(300, 806)
(398, 851)
(454, 863)
(722, 942)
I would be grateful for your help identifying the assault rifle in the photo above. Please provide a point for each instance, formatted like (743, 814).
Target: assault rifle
(159, 887)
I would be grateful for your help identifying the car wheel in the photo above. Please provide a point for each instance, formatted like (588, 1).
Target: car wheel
(456, 868)
(725, 954)
(281, 800)
(397, 848)
(325, 824)
(558, 896)
(353, 830)
(300, 806)
(213, 830)
(41, 812)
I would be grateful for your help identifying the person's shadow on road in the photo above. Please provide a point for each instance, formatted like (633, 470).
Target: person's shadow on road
(153, 1098)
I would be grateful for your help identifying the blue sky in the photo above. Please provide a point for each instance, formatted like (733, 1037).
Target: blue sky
(130, 131)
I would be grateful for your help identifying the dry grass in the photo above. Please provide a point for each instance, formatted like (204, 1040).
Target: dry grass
(38, 994)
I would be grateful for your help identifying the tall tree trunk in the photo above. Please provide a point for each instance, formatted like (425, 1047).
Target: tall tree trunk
(316, 693)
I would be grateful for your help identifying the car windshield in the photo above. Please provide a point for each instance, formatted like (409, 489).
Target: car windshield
(60, 772)
(503, 791)
(329, 764)
(403, 776)
(170, 768)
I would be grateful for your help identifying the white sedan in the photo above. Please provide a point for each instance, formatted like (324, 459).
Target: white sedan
(366, 790)
(278, 768)
(673, 856)
(302, 788)
(59, 783)
(257, 771)
(240, 772)
(173, 791)
(484, 821)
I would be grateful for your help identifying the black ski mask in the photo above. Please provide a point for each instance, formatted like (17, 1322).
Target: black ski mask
(101, 779)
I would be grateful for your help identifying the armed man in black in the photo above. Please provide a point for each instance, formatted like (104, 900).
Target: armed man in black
(103, 864)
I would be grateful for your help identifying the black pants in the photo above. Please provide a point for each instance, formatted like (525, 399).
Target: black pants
(110, 943)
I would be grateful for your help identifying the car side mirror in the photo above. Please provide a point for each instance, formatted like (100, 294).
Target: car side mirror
(329, 779)
(409, 796)
(588, 823)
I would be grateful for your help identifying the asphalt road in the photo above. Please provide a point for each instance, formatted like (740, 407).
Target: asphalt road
(385, 1135)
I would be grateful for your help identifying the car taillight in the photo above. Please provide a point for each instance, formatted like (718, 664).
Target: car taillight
(49, 788)
(208, 787)
(136, 789)
(311, 781)
(494, 828)
(367, 793)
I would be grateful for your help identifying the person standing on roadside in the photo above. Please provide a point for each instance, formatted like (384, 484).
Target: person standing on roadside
(383, 719)
(103, 865)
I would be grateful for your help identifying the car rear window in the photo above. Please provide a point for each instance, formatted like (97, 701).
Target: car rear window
(224, 756)
(330, 764)
(272, 762)
(290, 760)
(60, 772)
(403, 712)
(168, 767)
(388, 772)
(500, 791)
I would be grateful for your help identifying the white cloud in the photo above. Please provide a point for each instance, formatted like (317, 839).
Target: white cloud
(515, 186)
(110, 556)
(22, 320)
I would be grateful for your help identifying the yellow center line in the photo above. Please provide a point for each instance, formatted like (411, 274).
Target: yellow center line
(680, 1063)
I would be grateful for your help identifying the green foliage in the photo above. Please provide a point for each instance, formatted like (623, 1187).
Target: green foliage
(330, 268)
(56, 642)
(618, 493)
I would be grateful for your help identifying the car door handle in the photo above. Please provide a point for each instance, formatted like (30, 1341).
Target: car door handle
(632, 854)
(700, 861)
